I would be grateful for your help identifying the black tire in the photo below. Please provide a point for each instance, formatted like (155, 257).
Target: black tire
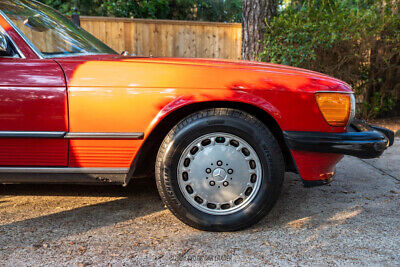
(230, 121)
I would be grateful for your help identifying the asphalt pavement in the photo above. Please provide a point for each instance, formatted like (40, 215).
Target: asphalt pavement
(353, 221)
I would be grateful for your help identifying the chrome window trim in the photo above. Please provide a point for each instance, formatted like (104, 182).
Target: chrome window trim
(22, 35)
(75, 55)
(21, 55)
(63, 170)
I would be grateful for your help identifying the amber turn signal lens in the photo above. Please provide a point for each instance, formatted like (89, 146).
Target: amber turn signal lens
(335, 107)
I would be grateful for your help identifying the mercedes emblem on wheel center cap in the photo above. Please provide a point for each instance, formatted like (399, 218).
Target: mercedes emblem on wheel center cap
(219, 174)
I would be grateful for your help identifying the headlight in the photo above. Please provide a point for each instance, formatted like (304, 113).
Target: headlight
(337, 108)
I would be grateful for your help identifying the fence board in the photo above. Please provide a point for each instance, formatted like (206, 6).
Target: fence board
(168, 38)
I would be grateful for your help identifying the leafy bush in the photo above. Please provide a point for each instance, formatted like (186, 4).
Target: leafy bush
(356, 41)
(88, 7)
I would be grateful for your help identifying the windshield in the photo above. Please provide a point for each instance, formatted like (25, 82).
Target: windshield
(49, 31)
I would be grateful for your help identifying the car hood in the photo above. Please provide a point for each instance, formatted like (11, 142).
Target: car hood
(112, 70)
(222, 63)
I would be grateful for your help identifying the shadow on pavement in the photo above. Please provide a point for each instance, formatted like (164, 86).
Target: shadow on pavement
(139, 186)
(137, 200)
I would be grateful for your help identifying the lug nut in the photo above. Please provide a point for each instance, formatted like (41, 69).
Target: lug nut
(219, 163)
(208, 170)
(230, 171)
(225, 183)
(212, 183)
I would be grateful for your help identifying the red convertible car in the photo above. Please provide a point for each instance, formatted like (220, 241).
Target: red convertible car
(218, 135)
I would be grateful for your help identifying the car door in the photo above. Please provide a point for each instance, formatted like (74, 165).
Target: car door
(33, 112)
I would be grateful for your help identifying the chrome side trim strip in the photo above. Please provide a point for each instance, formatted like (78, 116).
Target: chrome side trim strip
(104, 135)
(20, 33)
(64, 170)
(40, 134)
(31, 134)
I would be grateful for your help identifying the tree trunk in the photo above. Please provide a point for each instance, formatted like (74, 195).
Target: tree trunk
(255, 12)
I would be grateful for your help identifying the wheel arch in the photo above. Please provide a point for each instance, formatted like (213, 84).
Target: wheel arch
(143, 163)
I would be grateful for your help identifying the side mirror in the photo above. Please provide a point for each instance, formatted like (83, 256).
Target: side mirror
(36, 23)
(3, 43)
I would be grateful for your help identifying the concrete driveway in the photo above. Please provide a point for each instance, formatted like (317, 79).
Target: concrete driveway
(355, 220)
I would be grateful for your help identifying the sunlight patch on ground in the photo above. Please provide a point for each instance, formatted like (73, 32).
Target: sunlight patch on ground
(299, 223)
(343, 216)
(336, 219)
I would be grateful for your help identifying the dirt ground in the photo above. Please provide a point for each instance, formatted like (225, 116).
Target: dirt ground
(354, 221)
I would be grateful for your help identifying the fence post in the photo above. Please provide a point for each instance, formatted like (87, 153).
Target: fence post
(75, 16)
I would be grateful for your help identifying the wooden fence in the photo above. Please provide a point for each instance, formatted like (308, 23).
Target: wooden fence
(168, 38)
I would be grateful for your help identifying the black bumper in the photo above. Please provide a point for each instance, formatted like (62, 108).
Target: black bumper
(361, 140)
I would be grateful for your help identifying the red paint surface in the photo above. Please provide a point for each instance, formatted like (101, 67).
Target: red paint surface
(33, 152)
(32, 98)
(316, 166)
(102, 153)
(118, 94)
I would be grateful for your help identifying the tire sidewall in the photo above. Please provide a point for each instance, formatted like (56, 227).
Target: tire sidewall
(264, 145)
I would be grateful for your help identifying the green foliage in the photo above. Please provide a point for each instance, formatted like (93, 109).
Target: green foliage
(136, 9)
(89, 7)
(206, 10)
(355, 40)
(219, 10)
